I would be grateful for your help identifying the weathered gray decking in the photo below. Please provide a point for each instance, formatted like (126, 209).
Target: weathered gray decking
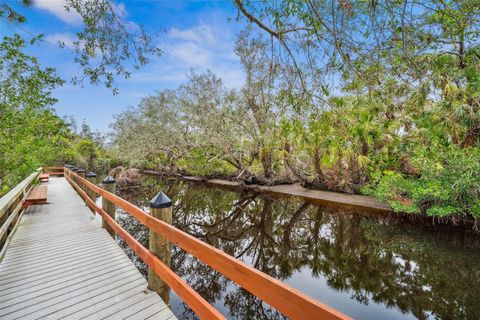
(62, 264)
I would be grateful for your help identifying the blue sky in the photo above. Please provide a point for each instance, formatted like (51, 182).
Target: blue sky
(196, 35)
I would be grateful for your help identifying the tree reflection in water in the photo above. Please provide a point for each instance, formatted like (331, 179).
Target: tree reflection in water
(375, 266)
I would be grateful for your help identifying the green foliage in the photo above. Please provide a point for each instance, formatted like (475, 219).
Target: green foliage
(106, 46)
(199, 164)
(86, 152)
(30, 134)
(447, 183)
(380, 97)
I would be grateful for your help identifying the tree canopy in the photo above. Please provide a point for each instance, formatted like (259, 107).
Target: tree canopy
(31, 134)
(107, 46)
(374, 97)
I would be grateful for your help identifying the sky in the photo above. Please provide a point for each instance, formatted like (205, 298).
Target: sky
(193, 35)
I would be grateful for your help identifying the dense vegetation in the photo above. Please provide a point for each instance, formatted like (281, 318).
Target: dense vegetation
(31, 134)
(373, 97)
(379, 97)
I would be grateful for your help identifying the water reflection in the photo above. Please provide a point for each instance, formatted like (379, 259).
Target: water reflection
(367, 266)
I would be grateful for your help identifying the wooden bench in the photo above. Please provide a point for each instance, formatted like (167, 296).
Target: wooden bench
(38, 195)
(44, 177)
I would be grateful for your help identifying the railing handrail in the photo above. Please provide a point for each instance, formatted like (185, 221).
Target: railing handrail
(8, 199)
(11, 205)
(52, 168)
(291, 302)
(184, 291)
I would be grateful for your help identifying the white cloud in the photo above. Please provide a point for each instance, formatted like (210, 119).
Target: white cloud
(190, 53)
(200, 34)
(198, 48)
(159, 72)
(57, 7)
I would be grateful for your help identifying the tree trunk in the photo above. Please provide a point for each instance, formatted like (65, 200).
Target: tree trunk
(266, 158)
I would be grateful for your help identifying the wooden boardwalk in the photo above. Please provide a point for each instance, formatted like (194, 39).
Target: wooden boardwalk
(62, 264)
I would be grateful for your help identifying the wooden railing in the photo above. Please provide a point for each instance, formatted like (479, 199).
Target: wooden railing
(54, 171)
(11, 209)
(291, 302)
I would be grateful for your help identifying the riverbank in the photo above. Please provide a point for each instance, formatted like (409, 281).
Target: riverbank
(324, 197)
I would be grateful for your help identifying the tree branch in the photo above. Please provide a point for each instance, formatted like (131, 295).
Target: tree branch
(253, 19)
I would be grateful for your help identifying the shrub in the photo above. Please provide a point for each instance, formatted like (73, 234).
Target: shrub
(447, 183)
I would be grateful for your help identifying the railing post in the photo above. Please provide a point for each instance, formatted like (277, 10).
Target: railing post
(81, 173)
(74, 178)
(109, 184)
(91, 178)
(161, 208)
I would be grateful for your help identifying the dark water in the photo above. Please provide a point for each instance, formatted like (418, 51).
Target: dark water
(369, 266)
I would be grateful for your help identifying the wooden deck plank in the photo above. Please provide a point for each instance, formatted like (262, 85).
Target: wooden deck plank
(40, 282)
(110, 300)
(71, 302)
(46, 269)
(160, 315)
(37, 242)
(50, 249)
(42, 298)
(42, 307)
(69, 283)
(67, 269)
(138, 305)
(55, 251)
(115, 309)
(62, 264)
(48, 263)
(146, 313)
(73, 243)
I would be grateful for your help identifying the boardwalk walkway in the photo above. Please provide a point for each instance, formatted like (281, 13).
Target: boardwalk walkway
(62, 264)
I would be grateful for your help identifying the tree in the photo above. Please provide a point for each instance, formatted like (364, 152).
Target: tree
(106, 47)
(344, 96)
(31, 134)
(403, 49)
(258, 96)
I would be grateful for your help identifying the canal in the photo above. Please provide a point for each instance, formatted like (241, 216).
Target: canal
(366, 265)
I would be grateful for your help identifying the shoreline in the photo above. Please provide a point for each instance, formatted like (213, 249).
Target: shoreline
(319, 196)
